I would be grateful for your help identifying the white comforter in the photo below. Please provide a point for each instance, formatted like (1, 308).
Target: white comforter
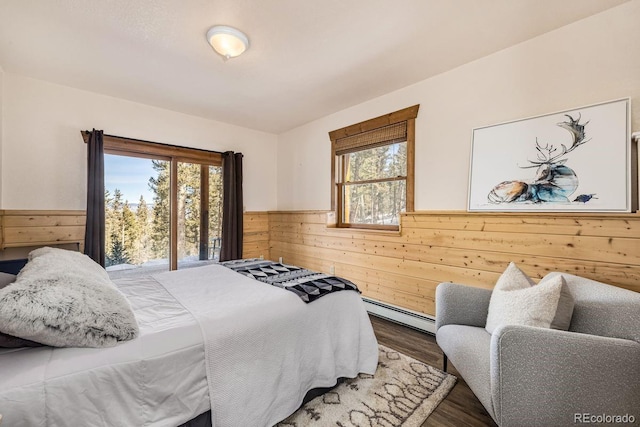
(157, 379)
(264, 349)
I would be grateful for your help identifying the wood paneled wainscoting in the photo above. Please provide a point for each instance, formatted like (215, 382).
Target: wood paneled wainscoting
(26, 229)
(255, 240)
(404, 268)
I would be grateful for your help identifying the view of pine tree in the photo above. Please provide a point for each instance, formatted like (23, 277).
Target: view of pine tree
(188, 210)
(159, 185)
(189, 197)
(215, 206)
(116, 255)
(130, 234)
(140, 234)
(115, 251)
(143, 220)
(108, 225)
(127, 233)
(377, 202)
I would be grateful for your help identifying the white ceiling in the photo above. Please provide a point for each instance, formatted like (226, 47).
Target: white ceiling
(308, 58)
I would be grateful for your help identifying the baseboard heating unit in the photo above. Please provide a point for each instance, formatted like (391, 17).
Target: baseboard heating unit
(397, 314)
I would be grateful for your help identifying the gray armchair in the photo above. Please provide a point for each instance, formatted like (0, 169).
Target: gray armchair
(526, 376)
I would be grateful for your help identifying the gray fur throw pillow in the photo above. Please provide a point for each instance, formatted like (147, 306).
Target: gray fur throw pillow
(64, 299)
(7, 341)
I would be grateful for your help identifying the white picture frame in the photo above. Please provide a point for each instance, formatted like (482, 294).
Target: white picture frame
(576, 160)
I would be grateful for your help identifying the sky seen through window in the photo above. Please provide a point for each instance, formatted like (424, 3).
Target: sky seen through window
(130, 175)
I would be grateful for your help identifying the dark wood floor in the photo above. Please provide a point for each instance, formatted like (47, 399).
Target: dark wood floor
(461, 407)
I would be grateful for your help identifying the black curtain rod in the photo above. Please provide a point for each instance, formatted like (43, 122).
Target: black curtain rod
(87, 132)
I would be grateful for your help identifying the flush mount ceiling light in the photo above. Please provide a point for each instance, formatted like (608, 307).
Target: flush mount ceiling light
(227, 41)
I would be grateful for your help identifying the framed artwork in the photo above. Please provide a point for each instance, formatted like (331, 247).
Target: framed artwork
(573, 160)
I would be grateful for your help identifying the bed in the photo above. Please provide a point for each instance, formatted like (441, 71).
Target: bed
(210, 339)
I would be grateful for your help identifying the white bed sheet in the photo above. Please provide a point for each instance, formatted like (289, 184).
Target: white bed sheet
(265, 347)
(263, 350)
(157, 379)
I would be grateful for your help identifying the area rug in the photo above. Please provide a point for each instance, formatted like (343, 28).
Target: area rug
(403, 392)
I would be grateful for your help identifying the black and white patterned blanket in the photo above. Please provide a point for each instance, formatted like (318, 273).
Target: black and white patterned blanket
(308, 285)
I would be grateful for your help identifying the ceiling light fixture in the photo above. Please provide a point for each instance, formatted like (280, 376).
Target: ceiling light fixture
(227, 41)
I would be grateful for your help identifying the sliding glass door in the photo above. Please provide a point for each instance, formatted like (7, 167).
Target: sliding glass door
(214, 206)
(162, 212)
(199, 212)
(190, 214)
(136, 212)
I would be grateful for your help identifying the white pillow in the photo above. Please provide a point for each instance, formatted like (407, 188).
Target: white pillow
(516, 300)
(564, 312)
(64, 299)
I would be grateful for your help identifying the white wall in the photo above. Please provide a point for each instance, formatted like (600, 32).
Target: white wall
(593, 60)
(44, 157)
(584, 63)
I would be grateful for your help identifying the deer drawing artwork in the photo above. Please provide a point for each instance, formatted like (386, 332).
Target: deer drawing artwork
(554, 180)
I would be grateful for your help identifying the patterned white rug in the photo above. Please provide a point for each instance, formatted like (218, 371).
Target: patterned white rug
(403, 392)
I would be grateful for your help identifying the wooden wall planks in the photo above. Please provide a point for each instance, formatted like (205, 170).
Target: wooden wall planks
(255, 241)
(472, 248)
(403, 268)
(27, 228)
(21, 228)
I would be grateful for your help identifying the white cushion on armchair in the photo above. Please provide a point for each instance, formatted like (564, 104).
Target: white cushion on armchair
(517, 300)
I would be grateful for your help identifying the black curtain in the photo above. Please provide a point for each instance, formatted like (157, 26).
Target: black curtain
(94, 235)
(231, 206)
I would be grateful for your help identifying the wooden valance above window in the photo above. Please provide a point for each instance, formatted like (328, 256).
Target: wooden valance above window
(385, 135)
(375, 124)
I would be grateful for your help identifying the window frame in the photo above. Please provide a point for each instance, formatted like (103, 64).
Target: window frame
(407, 115)
(174, 154)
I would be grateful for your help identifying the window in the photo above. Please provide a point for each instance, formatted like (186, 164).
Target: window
(177, 219)
(373, 171)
